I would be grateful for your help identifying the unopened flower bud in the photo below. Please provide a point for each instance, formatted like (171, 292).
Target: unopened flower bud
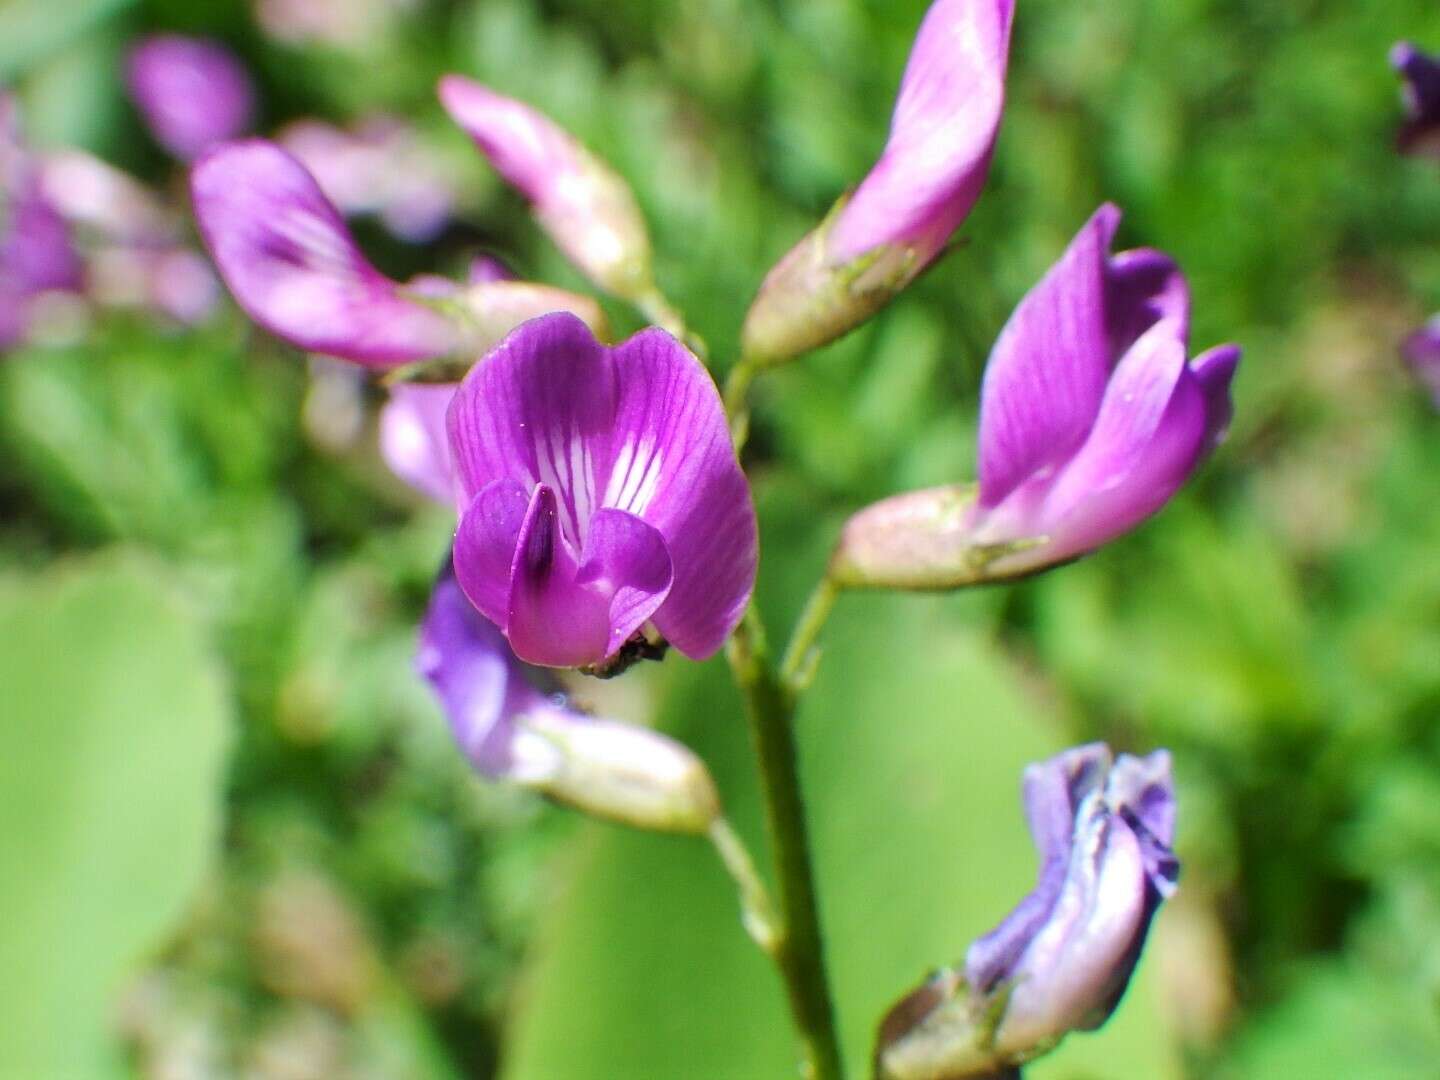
(1061, 961)
(875, 242)
(585, 206)
(192, 92)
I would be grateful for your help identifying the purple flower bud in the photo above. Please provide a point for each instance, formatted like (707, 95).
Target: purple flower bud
(381, 167)
(512, 731)
(1420, 133)
(1061, 961)
(36, 253)
(287, 256)
(587, 209)
(1091, 418)
(904, 212)
(600, 492)
(1422, 353)
(192, 92)
(413, 439)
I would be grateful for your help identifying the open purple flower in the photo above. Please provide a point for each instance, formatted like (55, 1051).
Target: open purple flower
(511, 730)
(286, 254)
(904, 212)
(1422, 353)
(192, 92)
(1091, 418)
(1420, 133)
(601, 492)
(586, 207)
(1061, 960)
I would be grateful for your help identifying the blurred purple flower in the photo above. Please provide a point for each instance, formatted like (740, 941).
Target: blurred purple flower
(37, 255)
(379, 167)
(287, 256)
(192, 92)
(586, 207)
(1422, 353)
(512, 731)
(1420, 133)
(1061, 960)
(601, 490)
(1091, 418)
(904, 212)
(413, 439)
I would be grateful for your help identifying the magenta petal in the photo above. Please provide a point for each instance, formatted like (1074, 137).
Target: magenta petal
(1144, 286)
(675, 466)
(1214, 370)
(628, 560)
(288, 257)
(941, 137)
(1046, 375)
(413, 440)
(192, 92)
(485, 545)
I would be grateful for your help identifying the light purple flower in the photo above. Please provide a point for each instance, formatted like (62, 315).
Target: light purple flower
(902, 215)
(1422, 353)
(511, 730)
(1420, 133)
(1061, 960)
(587, 209)
(98, 199)
(287, 256)
(192, 92)
(1091, 418)
(601, 492)
(172, 280)
(380, 167)
(413, 437)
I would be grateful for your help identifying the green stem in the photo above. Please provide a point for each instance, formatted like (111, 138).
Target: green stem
(798, 664)
(757, 912)
(799, 952)
(737, 404)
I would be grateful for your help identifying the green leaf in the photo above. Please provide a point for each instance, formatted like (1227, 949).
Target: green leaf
(913, 741)
(114, 727)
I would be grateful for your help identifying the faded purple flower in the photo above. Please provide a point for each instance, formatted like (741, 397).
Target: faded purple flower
(413, 439)
(101, 200)
(587, 209)
(512, 731)
(1420, 133)
(904, 212)
(172, 280)
(1061, 961)
(1091, 418)
(600, 492)
(192, 92)
(380, 167)
(287, 256)
(1422, 353)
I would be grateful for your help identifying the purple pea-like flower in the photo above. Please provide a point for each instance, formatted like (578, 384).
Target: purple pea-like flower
(1091, 418)
(1061, 960)
(600, 492)
(585, 206)
(511, 730)
(192, 92)
(1422, 352)
(902, 215)
(289, 259)
(1420, 134)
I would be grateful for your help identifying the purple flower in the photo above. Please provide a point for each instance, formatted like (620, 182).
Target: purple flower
(904, 212)
(1420, 133)
(36, 252)
(1422, 353)
(380, 167)
(600, 491)
(192, 92)
(413, 438)
(286, 254)
(1091, 418)
(1061, 960)
(587, 209)
(512, 731)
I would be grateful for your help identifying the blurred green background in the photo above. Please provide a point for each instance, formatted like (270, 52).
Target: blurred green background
(236, 840)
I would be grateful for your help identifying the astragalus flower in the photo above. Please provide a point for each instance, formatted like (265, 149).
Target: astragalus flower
(512, 731)
(583, 204)
(1061, 960)
(192, 92)
(600, 492)
(1420, 134)
(1091, 418)
(904, 212)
